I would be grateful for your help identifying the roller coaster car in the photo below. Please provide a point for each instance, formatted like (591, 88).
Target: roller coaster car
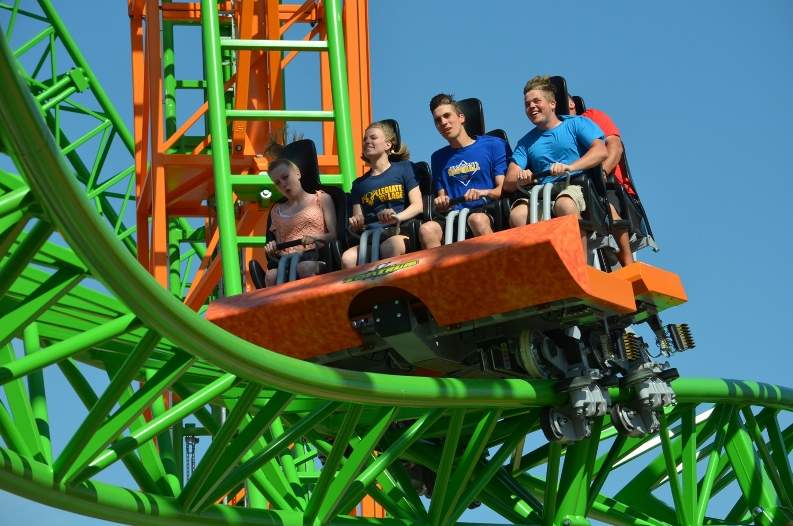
(518, 303)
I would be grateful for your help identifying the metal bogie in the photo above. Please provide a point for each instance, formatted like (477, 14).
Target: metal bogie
(573, 421)
(634, 423)
(650, 395)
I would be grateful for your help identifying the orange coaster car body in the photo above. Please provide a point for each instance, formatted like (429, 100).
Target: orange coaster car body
(515, 269)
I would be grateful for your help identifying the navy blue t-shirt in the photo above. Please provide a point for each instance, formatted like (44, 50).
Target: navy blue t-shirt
(387, 190)
(457, 170)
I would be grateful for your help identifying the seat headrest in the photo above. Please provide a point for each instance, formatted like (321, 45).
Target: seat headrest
(580, 106)
(474, 116)
(395, 125)
(423, 174)
(304, 154)
(501, 134)
(560, 91)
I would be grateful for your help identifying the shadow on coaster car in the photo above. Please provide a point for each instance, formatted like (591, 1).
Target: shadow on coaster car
(518, 303)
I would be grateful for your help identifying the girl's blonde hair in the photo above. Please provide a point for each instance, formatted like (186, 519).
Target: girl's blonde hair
(282, 161)
(401, 153)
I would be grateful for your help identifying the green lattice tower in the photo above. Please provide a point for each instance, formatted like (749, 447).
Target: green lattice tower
(723, 438)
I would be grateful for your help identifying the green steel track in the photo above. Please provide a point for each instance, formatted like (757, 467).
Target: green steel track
(306, 441)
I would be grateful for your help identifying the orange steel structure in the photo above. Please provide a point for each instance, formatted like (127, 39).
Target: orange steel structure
(174, 176)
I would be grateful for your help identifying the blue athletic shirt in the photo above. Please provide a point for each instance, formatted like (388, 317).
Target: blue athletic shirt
(457, 170)
(387, 190)
(566, 143)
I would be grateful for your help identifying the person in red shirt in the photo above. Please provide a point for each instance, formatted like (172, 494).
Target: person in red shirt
(612, 165)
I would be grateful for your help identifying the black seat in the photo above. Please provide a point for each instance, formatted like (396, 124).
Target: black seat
(474, 116)
(423, 174)
(475, 120)
(628, 206)
(397, 134)
(580, 106)
(501, 134)
(304, 154)
(560, 92)
(631, 209)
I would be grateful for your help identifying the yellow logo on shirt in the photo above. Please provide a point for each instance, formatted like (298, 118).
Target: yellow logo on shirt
(394, 192)
(463, 168)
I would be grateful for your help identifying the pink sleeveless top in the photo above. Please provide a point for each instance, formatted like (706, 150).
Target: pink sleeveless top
(309, 221)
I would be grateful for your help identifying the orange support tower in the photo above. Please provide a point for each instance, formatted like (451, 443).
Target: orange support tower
(173, 162)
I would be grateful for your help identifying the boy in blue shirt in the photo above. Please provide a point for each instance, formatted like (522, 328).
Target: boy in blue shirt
(471, 168)
(552, 149)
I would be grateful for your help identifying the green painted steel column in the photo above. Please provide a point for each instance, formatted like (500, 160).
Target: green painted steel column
(755, 485)
(232, 277)
(174, 259)
(96, 87)
(340, 92)
(169, 77)
(38, 397)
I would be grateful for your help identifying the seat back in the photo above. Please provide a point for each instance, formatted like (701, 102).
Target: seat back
(631, 208)
(398, 136)
(501, 134)
(304, 154)
(560, 92)
(474, 116)
(334, 250)
(580, 106)
(423, 174)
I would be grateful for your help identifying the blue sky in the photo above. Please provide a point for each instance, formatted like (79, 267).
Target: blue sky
(700, 90)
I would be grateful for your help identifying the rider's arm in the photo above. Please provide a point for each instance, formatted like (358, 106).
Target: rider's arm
(415, 207)
(511, 179)
(596, 154)
(613, 139)
(356, 219)
(500, 155)
(615, 149)
(329, 213)
(495, 192)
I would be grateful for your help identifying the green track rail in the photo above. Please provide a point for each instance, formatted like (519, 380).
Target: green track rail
(307, 442)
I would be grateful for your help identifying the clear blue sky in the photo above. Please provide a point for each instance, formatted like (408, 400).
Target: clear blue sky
(700, 90)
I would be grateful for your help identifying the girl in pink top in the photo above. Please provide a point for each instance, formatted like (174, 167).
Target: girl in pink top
(308, 217)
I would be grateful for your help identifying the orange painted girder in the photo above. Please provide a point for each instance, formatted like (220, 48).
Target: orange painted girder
(190, 12)
(506, 271)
